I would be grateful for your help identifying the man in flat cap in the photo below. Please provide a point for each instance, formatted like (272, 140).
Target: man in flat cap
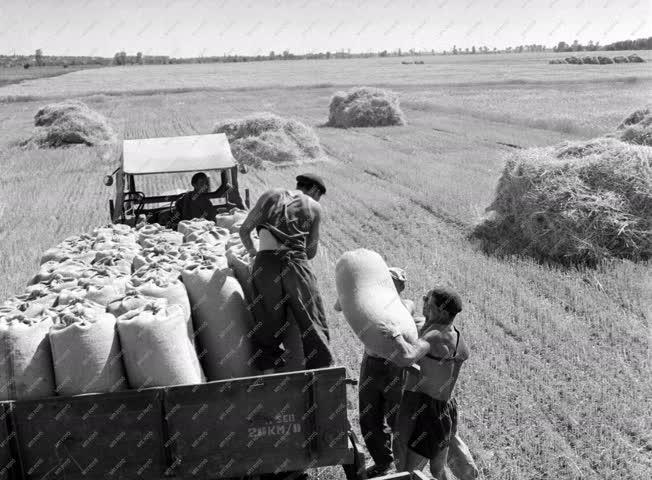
(284, 288)
(427, 419)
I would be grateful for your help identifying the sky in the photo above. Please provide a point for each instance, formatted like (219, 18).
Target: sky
(192, 28)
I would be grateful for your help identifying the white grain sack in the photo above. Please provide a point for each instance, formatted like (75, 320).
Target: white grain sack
(26, 371)
(370, 303)
(161, 283)
(222, 321)
(157, 348)
(86, 351)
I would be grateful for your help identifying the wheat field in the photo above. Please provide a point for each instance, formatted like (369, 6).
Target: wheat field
(558, 382)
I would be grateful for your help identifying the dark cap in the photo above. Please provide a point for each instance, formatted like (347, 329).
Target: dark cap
(397, 274)
(447, 298)
(314, 179)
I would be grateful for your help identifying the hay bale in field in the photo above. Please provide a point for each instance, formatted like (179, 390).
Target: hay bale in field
(590, 60)
(573, 60)
(620, 59)
(605, 60)
(68, 123)
(265, 139)
(365, 107)
(637, 128)
(634, 58)
(573, 204)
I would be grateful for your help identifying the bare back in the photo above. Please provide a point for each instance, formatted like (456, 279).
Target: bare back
(286, 217)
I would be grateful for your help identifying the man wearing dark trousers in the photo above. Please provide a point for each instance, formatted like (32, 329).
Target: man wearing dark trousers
(379, 395)
(284, 288)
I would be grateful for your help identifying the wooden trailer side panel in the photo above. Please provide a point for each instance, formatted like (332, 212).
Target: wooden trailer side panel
(8, 460)
(117, 435)
(258, 425)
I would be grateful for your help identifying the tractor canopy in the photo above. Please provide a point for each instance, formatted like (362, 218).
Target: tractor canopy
(176, 154)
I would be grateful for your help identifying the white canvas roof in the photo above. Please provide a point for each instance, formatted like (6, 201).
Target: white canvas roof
(176, 154)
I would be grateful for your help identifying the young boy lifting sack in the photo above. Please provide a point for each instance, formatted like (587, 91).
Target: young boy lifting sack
(427, 419)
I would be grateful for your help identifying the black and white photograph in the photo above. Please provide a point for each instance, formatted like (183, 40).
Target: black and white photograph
(325, 239)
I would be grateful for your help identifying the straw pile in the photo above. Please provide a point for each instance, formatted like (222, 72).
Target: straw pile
(576, 203)
(365, 107)
(637, 128)
(69, 123)
(265, 139)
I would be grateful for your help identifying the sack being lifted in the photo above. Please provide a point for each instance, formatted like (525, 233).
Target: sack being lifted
(370, 303)
(157, 349)
(222, 321)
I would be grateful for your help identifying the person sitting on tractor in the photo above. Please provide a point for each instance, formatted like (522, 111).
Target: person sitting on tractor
(195, 204)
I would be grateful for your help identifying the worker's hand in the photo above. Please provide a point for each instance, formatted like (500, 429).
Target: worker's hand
(252, 252)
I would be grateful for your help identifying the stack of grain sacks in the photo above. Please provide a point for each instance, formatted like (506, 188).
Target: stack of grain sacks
(126, 307)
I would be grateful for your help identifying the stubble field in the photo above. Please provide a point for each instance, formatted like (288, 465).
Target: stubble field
(558, 384)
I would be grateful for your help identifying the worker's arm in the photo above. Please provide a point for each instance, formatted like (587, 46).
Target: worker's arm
(208, 208)
(408, 353)
(249, 223)
(313, 236)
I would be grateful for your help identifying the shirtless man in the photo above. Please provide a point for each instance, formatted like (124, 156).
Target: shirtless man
(427, 420)
(283, 285)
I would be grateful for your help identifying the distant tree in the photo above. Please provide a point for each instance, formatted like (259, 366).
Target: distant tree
(139, 58)
(466, 50)
(120, 58)
(454, 49)
(328, 55)
(38, 57)
(576, 46)
(272, 55)
(383, 53)
(399, 52)
(473, 49)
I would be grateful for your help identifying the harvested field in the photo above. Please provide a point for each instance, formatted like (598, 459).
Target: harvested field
(557, 384)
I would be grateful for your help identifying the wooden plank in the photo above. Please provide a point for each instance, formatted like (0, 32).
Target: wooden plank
(9, 462)
(255, 425)
(117, 435)
(419, 475)
(398, 476)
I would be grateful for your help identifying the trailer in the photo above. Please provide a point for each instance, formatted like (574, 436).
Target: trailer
(220, 429)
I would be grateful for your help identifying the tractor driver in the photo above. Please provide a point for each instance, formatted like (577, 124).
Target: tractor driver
(195, 204)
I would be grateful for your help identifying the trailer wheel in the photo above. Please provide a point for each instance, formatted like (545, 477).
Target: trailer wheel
(355, 470)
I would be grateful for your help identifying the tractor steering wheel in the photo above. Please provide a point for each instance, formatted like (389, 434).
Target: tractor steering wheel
(136, 197)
